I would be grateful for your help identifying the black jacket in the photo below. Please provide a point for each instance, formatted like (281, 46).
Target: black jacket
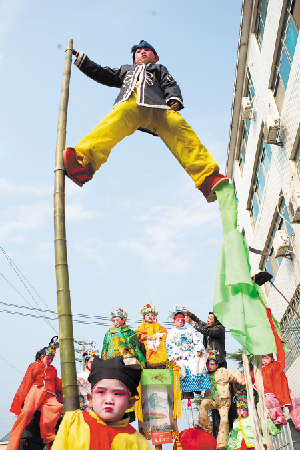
(214, 337)
(155, 88)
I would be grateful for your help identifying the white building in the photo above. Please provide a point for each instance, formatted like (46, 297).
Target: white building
(264, 156)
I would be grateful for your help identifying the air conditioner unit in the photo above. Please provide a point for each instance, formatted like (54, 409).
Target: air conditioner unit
(271, 128)
(294, 206)
(247, 108)
(281, 244)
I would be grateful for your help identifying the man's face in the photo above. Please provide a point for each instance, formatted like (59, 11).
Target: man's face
(110, 399)
(210, 320)
(211, 365)
(150, 317)
(145, 56)
(179, 322)
(118, 322)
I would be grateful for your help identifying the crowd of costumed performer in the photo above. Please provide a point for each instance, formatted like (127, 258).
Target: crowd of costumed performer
(242, 432)
(187, 350)
(153, 336)
(149, 100)
(121, 340)
(38, 390)
(218, 397)
(84, 386)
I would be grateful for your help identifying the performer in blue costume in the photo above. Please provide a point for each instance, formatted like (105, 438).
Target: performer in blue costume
(186, 348)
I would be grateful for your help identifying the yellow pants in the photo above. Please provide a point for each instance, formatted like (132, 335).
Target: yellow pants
(169, 125)
(223, 407)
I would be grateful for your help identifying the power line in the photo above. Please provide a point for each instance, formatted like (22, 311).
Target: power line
(22, 277)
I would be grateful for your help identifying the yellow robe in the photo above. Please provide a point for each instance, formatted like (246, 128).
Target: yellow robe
(74, 434)
(155, 343)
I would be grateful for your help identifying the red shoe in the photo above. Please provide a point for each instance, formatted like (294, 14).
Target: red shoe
(75, 171)
(211, 184)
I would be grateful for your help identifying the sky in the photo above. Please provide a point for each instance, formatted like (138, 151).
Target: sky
(139, 232)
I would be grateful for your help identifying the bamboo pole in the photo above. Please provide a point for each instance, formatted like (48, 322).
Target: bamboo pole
(251, 405)
(66, 341)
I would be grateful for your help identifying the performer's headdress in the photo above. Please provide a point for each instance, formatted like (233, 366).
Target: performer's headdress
(115, 369)
(118, 313)
(149, 309)
(241, 400)
(212, 355)
(176, 311)
(52, 347)
(91, 353)
(142, 44)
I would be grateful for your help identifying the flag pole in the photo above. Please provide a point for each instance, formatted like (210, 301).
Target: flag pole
(66, 340)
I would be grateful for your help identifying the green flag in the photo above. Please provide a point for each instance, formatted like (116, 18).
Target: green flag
(239, 303)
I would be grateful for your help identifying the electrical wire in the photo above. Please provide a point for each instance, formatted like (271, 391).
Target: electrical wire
(22, 278)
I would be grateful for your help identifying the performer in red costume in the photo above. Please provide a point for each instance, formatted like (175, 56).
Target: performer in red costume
(276, 388)
(38, 390)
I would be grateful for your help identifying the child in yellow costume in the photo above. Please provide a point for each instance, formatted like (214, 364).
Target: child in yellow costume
(149, 100)
(106, 426)
(153, 336)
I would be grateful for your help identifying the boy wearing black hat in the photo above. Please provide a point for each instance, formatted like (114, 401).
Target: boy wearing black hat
(105, 426)
(149, 100)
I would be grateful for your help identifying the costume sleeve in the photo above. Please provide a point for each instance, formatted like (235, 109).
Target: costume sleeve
(135, 441)
(104, 75)
(134, 344)
(198, 346)
(141, 335)
(23, 390)
(73, 433)
(169, 87)
(173, 351)
(235, 375)
(235, 443)
(106, 342)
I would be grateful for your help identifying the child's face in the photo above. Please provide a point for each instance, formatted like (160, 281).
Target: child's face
(47, 360)
(118, 322)
(179, 322)
(89, 363)
(211, 365)
(145, 56)
(266, 360)
(110, 399)
(242, 413)
(150, 317)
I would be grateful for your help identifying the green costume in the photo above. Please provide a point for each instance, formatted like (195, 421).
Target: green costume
(242, 430)
(122, 341)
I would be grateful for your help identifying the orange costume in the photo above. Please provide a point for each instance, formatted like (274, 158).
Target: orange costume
(38, 389)
(277, 392)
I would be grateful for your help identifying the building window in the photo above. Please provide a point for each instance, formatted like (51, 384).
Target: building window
(290, 328)
(250, 93)
(261, 15)
(282, 222)
(261, 170)
(297, 158)
(235, 193)
(286, 51)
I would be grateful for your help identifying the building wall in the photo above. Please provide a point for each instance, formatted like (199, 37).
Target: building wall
(282, 176)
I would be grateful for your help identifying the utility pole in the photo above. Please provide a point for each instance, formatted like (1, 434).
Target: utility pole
(81, 359)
